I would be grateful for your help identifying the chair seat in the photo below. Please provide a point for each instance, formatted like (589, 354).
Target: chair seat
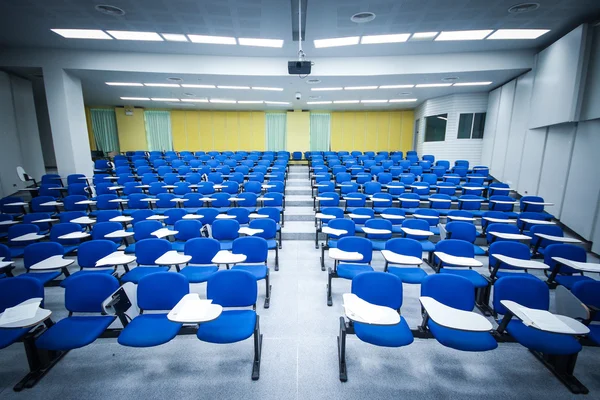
(65, 281)
(475, 277)
(385, 335)
(349, 271)
(231, 326)
(178, 246)
(138, 273)
(198, 274)
(259, 271)
(332, 243)
(130, 249)
(149, 330)
(501, 274)
(74, 332)
(593, 335)
(434, 229)
(44, 277)
(378, 245)
(544, 342)
(16, 252)
(70, 249)
(272, 244)
(9, 336)
(569, 280)
(478, 250)
(427, 245)
(226, 244)
(462, 340)
(413, 275)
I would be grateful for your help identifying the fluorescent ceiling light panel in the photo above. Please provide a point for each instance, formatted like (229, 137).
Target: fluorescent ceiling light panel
(133, 35)
(318, 102)
(135, 98)
(195, 100)
(277, 102)
(402, 100)
(346, 102)
(373, 101)
(430, 85)
(222, 101)
(234, 87)
(273, 89)
(171, 85)
(473, 84)
(324, 89)
(463, 35)
(164, 99)
(336, 42)
(82, 34)
(260, 42)
(189, 85)
(123, 84)
(423, 35)
(375, 39)
(174, 37)
(444, 118)
(212, 39)
(396, 86)
(250, 102)
(517, 34)
(360, 87)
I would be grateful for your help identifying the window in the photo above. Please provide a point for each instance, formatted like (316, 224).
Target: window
(470, 126)
(435, 128)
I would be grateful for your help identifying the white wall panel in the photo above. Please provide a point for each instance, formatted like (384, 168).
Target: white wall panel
(591, 98)
(489, 133)
(531, 163)
(10, 149)
(43, 120)
(502, 129)
(582, 194)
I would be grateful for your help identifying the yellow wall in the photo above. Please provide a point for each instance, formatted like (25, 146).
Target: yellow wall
(132, 130)
(298, 131)
(218, 130)
(372, 130)
(90, 129)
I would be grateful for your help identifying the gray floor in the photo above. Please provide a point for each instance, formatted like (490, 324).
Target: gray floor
(299, 359)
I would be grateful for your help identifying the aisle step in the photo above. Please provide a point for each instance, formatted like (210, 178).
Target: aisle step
(299, 214)
(298, 230)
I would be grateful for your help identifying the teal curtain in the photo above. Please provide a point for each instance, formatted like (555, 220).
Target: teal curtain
(275, 131)
(158, 130)
(320, 131)
(104, 124)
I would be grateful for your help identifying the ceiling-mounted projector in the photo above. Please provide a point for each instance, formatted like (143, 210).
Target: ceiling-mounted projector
(299, 67)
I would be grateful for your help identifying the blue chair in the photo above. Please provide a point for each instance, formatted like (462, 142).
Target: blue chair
(160, 291)
(84, 294)
(561, 274)
(384, 201)
(456, 292)
(37, 252)
(504, 204)
(234, 288)
(409, 202)
(500, 228)
(17, 247)
(142, 230)
(493, 214)
(14, 291)
(498, 269)
(538, 244)
(421, 225)
(378, 240)
(524, 206)
(187, 230)
(101, 229)
(200, 267)
(464, 231)
(432, 217)
(70, 203)
(383, 290)
(408, 248)
(361, 215)
(68, 216)
(269, 233)
(31, 218)
(471, 203)
(147, 251)
(88, 255)
(588, 292)
(225, 231)
(348, 270)
(256, 250)
(58, 230)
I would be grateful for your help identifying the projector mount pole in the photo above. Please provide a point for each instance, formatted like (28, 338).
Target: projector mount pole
(301, 55)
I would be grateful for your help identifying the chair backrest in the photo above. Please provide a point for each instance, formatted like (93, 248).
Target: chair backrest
(378, 288)
(345, 224)
(106, 215)
(492, 214)
(359, 245)
(405, 246)
(553, 230)
(103, 202)
(202, 250)
(510, 249)
(187, 229)
(568, 251)
(440, 201)
(532, 207)
(255, 248)
(225, 229)
(416, 224)
(62, 229)
(409, 200)
(531, 293)
(90, 252)
(67, 216)
(501, 228)
(140, 215)
(379, 224)
(232, 288)
(86, 293)
(454, 247)
(161, 291)
(36, 204)
(37, 252)
(588, 292)
(452, 290)
(143, 229)
(148, 250)
(69, 203)
(470, 202)
(16, 290)
(461, 230)
(268, 226)
(434, 216)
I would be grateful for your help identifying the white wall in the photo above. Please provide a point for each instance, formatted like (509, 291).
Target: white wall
(452, 148)
(591, 98)
(43, 120)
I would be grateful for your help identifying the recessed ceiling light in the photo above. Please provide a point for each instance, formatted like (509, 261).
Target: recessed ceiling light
(134, 35)
(212, 39)
(433, 85)
(360, 87)
(189, 85)
(473, 84)
(224, 101)
(363, 17)
(314, 97)
(277, 103)
(234, 87)
(250, 102)
(164, 99)
(404, 93)
(82, 33)
(402, 100)
(396, 86)
(450, 79)
(273, 89)
(423, 36)
(260, 42)
(110, 10)
(346, 101)
(123, 84)
(313, 81)
(517, 34)
(189, 94)
(195, 100)
(463, 35)
(172, 85)
(174, 37)
(136, 98)
(373, 101)
(323, 89)
(374, 39)
(174, 79)
(523, 8)
(335, 42)
(318, 102)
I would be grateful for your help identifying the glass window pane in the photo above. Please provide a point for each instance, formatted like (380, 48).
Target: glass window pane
(435, 128)
(478, 126)
(464, 126)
